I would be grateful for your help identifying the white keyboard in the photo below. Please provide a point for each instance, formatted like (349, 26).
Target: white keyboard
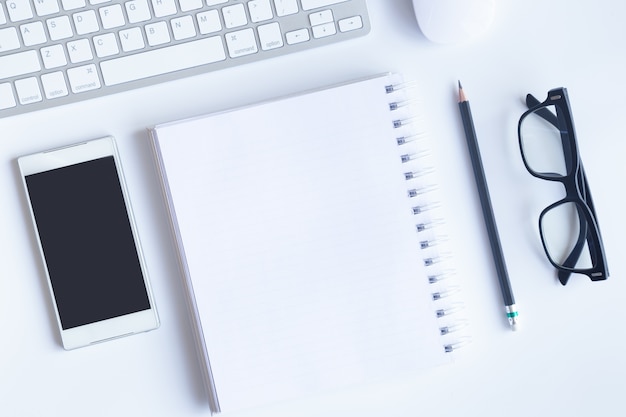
(54, 52)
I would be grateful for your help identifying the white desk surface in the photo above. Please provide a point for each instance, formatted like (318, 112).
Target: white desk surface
(568, 357)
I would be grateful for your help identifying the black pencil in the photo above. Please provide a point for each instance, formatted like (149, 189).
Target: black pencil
(485, 202)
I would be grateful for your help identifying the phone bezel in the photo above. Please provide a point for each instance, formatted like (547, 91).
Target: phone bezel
(112, 328)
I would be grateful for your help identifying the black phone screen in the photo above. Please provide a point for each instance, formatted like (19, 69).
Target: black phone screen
(87, 242)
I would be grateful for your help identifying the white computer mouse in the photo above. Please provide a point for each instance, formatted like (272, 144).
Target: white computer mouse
(453, 21)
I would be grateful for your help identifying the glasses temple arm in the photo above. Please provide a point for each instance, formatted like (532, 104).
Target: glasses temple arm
(585, 234)
(574, 255)
(586, 196)
(546, 114)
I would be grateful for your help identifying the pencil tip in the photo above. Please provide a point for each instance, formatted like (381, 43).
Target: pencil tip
(462, 96)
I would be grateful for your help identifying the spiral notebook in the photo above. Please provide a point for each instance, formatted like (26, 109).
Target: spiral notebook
(307, 242)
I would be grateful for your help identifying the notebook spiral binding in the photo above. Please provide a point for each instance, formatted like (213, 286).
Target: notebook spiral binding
(431, 242)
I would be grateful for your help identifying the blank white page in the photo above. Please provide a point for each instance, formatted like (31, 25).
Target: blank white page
(294, 223)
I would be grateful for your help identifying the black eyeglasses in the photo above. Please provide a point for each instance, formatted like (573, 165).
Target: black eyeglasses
(569, 227)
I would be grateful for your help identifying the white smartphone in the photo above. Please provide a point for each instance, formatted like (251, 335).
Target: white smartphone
(88, 242)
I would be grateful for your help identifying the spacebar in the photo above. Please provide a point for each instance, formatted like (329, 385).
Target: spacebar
(162, 61)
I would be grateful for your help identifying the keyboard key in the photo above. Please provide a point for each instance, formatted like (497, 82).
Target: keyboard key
(314, 4)
(86, 22)
(54, 85)
(286, 7)
(19, 64)
(234, 16)
(19, 10)
(351, 23)
(137, 11)
(9, 40)
(3, 17)
(28, 90)
(83, 78)
(7, 99)
(131, 39)
(33, 33)
(112, 16)
(240, 43)
(270, 36)
(73, 4)
(53, 56)
(209, 22)
(322, 31)
(59, 28)
(46, 7)
(297, 36)
(183, 28)
(157, 34)
(164, 7)
(260, 10)
(188, 5)
(79, 51)
(105, 45)
(319, 18)
(162, 61)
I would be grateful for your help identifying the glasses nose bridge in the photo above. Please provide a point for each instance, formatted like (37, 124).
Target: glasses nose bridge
(572, 191)
(572, 187)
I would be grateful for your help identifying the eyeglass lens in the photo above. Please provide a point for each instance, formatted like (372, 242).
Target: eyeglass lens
(565, 229)
(543, 138)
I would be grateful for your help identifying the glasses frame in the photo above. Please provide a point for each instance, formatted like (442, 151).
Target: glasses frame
(577, 189)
